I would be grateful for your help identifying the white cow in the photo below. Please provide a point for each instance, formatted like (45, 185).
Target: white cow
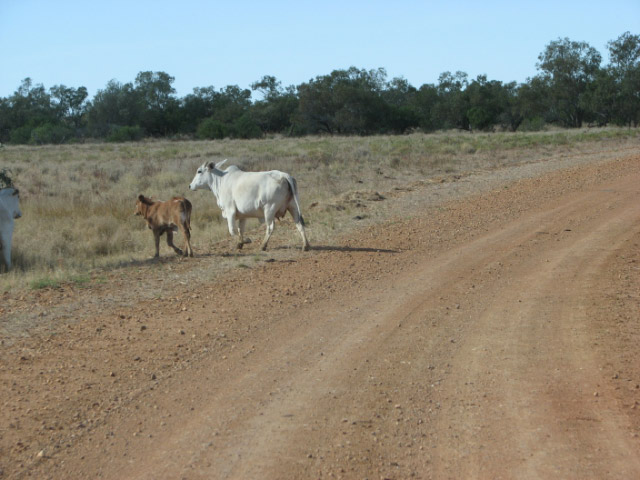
(241, 195)
(9, 211)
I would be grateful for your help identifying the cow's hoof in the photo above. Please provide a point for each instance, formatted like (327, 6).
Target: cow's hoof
(306, 248)
(239, 245)
(179, 252)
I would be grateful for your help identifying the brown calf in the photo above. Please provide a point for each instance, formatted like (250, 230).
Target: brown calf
(167, 217)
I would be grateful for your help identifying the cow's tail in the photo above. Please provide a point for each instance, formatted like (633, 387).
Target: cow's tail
(293, 185)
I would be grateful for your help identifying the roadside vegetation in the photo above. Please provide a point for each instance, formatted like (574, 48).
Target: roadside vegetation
(78, 200)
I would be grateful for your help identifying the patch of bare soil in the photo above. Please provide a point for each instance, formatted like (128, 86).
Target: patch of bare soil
(489, 336)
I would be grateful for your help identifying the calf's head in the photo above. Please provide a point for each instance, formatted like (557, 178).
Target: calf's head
(142, 204)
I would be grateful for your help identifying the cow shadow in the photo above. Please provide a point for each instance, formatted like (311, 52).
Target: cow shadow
(340, 248)
(343, 248)
(241, 254)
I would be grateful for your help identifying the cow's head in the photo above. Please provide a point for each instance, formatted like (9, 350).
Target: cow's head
(204, 175)
(142, 203)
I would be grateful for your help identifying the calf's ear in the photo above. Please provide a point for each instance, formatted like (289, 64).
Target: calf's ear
(141, 197)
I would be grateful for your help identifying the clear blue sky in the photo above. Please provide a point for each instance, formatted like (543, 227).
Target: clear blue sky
(220, 43)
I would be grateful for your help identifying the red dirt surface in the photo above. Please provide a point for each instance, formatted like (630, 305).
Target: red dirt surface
(494, 336)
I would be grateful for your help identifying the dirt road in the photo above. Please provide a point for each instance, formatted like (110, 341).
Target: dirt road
(491, 337)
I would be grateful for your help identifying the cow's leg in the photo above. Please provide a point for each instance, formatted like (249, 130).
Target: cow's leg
(269, 220)
(297, 218)
(231, 223)
(170, 242)
(241, 223)
(5, 246)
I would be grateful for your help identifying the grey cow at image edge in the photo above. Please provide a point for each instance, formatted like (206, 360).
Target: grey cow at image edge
(9, 212)
(242, 195)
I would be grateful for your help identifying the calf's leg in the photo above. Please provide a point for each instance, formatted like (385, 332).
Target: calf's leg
(170, 242)
(156, 238)
(188, 251)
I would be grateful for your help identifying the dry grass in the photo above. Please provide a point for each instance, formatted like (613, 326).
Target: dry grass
(77, 200)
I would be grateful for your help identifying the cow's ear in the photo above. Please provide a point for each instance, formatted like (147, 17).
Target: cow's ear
(219, 164)
(141, 198)
(16, 191)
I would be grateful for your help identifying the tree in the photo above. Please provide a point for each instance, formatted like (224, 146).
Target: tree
(569, 68)
(488, 100)
(114, 106)
(400, 112)
(345, 101)
(533, 102)
(230, 115)
(28, 108)
(625, 72)
(159, 105)
(195, 107)
(231, 103)
(451, 109)
(600, 97)
(70, 104)
(424, 102)
(275, 111)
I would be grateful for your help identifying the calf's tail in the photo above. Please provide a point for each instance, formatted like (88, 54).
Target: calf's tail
(187, 213)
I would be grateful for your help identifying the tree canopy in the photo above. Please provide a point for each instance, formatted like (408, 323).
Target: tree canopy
(572, 89)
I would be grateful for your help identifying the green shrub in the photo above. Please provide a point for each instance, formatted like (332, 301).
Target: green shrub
(20, 135)
(125, 134)
(50, 134)
(535, 124)
(245, 127)
(212, 129)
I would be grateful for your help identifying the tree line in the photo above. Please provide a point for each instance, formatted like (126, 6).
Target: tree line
(572, 89)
